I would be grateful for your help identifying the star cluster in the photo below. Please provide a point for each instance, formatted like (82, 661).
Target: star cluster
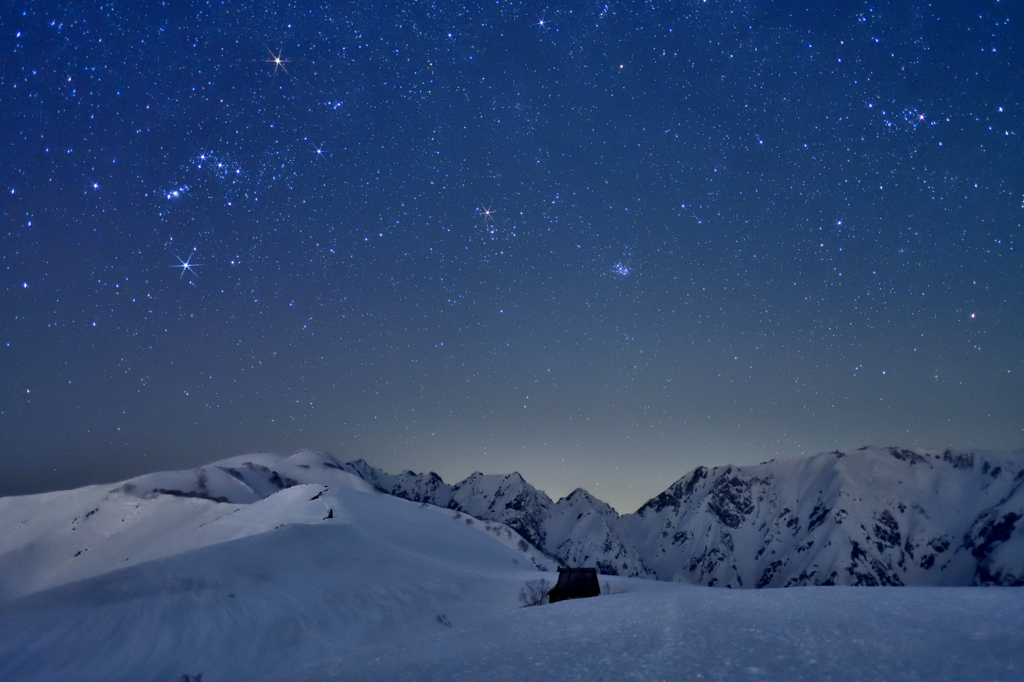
(598, 243)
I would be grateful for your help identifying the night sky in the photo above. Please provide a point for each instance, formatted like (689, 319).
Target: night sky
(598, 243)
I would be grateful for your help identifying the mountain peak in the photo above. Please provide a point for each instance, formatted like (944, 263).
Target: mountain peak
(872, 516)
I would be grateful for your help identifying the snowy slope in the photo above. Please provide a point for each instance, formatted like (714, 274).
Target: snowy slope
(508, 499)
(584, 531)
(578, 529)
(870, 517)
(876, 516)
(664, 632)
(57, 538)
(336, 581)
(294, 588)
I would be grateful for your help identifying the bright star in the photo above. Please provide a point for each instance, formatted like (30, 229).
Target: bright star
(276, 60)
(542, 24)
(487, 213)
(318, 151)
(186, 265)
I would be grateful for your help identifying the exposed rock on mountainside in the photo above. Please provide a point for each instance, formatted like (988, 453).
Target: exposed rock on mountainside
(876, 516)
(871, 517)
(578, 529)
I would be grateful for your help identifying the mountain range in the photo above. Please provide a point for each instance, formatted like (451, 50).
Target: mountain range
(874, 516)
(267, 568)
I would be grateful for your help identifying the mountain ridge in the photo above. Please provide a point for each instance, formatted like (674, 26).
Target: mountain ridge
(874, 516)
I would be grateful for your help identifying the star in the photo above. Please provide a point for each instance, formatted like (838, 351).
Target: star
(487, 213)
(318, 152)
(541, 24)
(186, 265)
(276, 60)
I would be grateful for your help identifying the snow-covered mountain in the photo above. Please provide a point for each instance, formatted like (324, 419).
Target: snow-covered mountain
(578, 529)
(871, 517)
(876, 516)
(278, 567)
(56, 538)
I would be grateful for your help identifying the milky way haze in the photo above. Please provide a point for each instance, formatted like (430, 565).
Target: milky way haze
(597, 243)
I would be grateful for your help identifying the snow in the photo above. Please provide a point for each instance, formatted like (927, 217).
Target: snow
(672, 632)
(336, 581)
(874, 516)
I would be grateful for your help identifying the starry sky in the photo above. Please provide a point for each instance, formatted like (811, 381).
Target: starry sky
(598, 243)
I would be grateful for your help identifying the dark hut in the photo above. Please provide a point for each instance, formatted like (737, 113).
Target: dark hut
(575, 583)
